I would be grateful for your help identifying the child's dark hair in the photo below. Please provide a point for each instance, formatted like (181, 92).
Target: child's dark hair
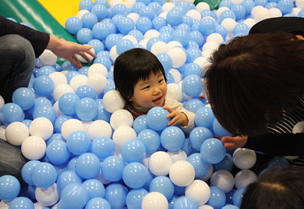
(134, 65)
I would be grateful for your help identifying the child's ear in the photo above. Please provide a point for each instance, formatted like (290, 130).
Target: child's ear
(130, 99)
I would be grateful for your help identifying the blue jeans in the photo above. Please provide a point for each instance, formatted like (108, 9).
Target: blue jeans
(17, 62)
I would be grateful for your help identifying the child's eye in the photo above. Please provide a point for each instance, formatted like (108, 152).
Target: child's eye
(146, 87)
(161, 80)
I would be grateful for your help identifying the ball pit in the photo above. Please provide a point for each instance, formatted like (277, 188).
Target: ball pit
(86, 151)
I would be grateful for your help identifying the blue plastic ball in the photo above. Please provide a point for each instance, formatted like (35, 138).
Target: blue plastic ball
(158, 23)
(193, 105)
(163, 185)
(97, 45)
(150, 139)
(249, 5)
(103, 147)
(207, 26)
(100, 31)
(44, 175)
(86, 109)
(66, 178)
(183, 202)
(133, 151)
(201, 167)
(126, 25)
(192, 86)
(219, 130)
(43, 86)
(193, 52)
(85, 4)
(67, 103)
(174, 17)
(285, 6)
(226, 14)
(112, 168)
(134, 198)
(241, 29)
(57, 152)
(140, 123)
(116, 195)
(135, 175)
(239, 11)
(217, 197)
(172, 138)
(78, 142)
(119, 9)
(213, 150)
(225, 164)
(87, 165)
(124, 45)
(98, 202)
(89, 20)
(85, 91)
(10, 113)
(181, 36)
(26, 171)
(21, 203)
(9, 187)
(148, 12)
(204, 117)
(226, 3)
(24, 97)
(137, 7)
(156, 118)
(143, 24)
(59, 122)
(166, 61)
(237, 196)
(100, 10)
(152, 41)
(102, 114)
(73, 25)
(165, 37)
(73, 196)
(84, 35)
(137, 34)
(45, 111)
(94, 188)
(197, 36)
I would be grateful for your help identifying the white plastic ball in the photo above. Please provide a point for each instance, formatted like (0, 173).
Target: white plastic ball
(245, 177)
(78, 80)
(47, 58)
(144, 43)
(220, 10)
(207, 53)
(160, 163)
(98, 82)
(167, 6)
(250, 22)
(202, 207)
(202, 6)
(178, 155)
(123, 134)
(173, 44)
(275, 12)
(115, 2)
(235, 2)
(57, 110)
(41, 127)
(210, 45)
(194, 14)
(4, 204)
(174, 91)
(159, 47)
(70, 126)
(113, 101)
(208, 175)
(16, 132)
(37, 206)
(295, 11)
(113, 53)
(222, 179)
(215, 37)
(99, 128)
(262, 14)
(182, 173)
(129, 4)
(229, 24)
(131, 38)
(58, 78)
(199, 191)
(98, 68)
(255, 9)
(154, 200)
(176, 74)
(298, 128)
(33, 148)
(203, 62)
(121, 117)
(178, 57)
(300, 4)
(2, 132)
(81, 59)
(47, 197)
(2, 102)
(81, 13)
(61, 89)
(244, 158)
(163, 15)
(152, 33)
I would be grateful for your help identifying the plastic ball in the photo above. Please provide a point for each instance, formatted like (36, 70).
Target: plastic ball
(11, 112)
(98, 202)
(70, 126)
(57, 152)
(116, 195)
(237, 196)
(133, 151)
(73, 196)
(154, 200)
(163, 185)
(182, 173)
(78, 80)
(160, 163)
(94, 188)
(177, 155)
(135, 197)
(67, 103)
(66, 178)
(174, 17)
(26, 171)
(217, 197)
(219, 130)
(45, 111)
(244, 158)
(16, 132)
(24, 97)
(225, 164)
(199, 191)
(213, 150)
(43, 85)
(165, 60)
(84, 35)
(172, 138)
(206, 26)
(41, 127)
(178, 56)
(61, 89)
(135, 175)
(185, 202)
(78, 142)
(9, 187)
(73, 25)
(192, 85)
(85, 91)
(121, 117)
(222, 179)
(123, 134)
(33, 147)
(204, 117)
(87, 165)
(200, 166)
(140, 123)
(103, 147)
(156, 118)
(112, 101)
(44, 175)
(244, 177)
(112, 168)
(150, 139)
(48, 196)
(278, 162)
(86, 109)
(99, 128)
(21, 202)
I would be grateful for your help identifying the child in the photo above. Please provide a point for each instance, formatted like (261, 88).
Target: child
(140, 79)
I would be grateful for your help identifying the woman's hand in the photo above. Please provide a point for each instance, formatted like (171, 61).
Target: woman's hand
(177, 117)
(67, 50)
(234, 142)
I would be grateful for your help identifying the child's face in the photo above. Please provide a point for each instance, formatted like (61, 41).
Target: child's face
(150, 92)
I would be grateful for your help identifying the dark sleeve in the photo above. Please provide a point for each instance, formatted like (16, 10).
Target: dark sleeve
(293, 25)
(278, 144)
(39, 40)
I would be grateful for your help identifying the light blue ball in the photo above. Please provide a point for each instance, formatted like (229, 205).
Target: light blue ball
(143, 24)
(230, 207)
(85, 91)
(137, 7)
(135, 175)
(192, 53)
(172, 138)
(237, 196)
(9, 187)
(133, 151)
(226, 3)
(104, 2)
(174, 17)
(26, 171)
(221, 30)
(248, 4)
(126, 25)
(217, 197)
(21, 202)
(116, 195)
(44, 175)
(193, 105)
(207, 26)
(197, 36)
(201, 167)
(140, 123)
(94, 188)
(66, 178)
(45, 111)
(158, 23)
(124, 45)
(183, 202)
(213, 150)
(43, 86)
(226, 14)
(57, 152)
(187, 20)
(102, 114)
(112, 168)
(137, 34)
(67, 103)
(239, 11)
(83, 70)
(100, 10)
(148, 12)
(156, 118)
(78, 142)
(135, 197)
(45, 70)
(55, 137)
(10, 113)
(105, 61)
(97, 45)
(285, 6)
(98, 202)
(181, 36)
(85, 4)
(271, 5)
(204, 117)
(84, 35)
(151, 42)
(119, 9)
(87, 165)
(219, 130)
(59, 122)
(166, 61)
(73, 196)
(170, 78)
(192, 85)
(86, 109)
(103, 147)
(150, 139)
(166, 29)
(260, 2)
(241, 29)
(100, 31)
(24, 97)
(73, 25)
(163, 185)
(89, 20)
(225, 164)
(278, 162)
(165, 37)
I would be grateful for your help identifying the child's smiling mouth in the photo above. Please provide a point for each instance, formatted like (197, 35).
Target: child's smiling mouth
(157, 100)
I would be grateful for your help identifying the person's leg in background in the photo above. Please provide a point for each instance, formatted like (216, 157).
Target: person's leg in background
(17, 62)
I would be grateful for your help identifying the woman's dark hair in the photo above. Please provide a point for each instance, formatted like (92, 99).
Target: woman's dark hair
(281, 188)
(252, 79)
(134, 65)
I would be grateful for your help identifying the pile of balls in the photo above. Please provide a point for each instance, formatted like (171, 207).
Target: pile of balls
(86, 151)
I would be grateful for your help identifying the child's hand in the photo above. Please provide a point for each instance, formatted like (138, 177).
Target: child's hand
(177, 117)
(233, 142)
